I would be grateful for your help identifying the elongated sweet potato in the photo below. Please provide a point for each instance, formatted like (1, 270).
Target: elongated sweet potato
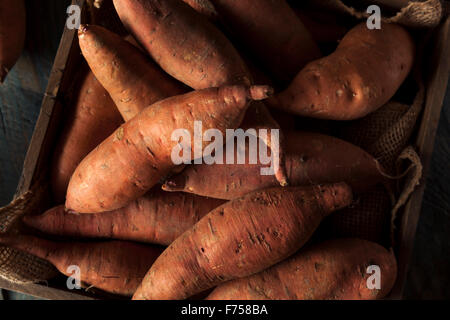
(133, 81)
(158, 217)
(139, 154)
(12, 34)
(183, 42)
(311, 158)
(113, 266)
(204, 7)
(272, 31)
(333, 270)
(240, 238)
(91, 118)
(362, 75)
(191, 49)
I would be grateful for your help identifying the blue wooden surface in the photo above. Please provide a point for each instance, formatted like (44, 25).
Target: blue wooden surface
(22, 92)
(21, 96)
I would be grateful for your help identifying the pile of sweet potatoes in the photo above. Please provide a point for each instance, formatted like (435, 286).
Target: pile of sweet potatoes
(172, 229)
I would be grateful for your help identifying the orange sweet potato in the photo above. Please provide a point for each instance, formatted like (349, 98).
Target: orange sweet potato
(311, 158)
(191, 49)
(132, 80)
(362, 75)
(272, 31)
(333, 270)
(183, 42)
(240, 238)
(91, 118)
(12, 34)
(158, 217)
(139, 154)
(113, 266)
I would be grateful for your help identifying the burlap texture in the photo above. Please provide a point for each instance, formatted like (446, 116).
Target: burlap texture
(17, 266)
(387, 131)
(417, 14)
(368, 218)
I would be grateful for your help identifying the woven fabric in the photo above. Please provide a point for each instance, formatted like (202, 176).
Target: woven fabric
(386, 132)
(368, 218)
(417, 14)
(17, 266)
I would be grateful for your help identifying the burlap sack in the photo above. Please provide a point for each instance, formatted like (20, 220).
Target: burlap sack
(17, 266)
(367, 218)
(417, 14)
(385, 134)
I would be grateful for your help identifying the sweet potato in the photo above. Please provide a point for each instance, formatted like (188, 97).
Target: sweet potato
(240, 238)
(158, 217)
(113, 266)
(12, 34)
(139, 154)
(133, 81)
(333, 270)
(191, 49)
(183, 42)
(91, 118)
(311, 158)
(272, 31)
(363, 73)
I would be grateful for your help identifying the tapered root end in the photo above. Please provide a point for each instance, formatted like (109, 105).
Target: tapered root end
(138, 296)
(336, 196)
(281, 178)
(98, 3)
(83, 29)
(260, 92)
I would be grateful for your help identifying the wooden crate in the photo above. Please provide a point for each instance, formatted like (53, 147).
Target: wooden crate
(48, 127)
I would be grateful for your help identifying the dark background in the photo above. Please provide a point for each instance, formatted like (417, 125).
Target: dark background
(20, 100)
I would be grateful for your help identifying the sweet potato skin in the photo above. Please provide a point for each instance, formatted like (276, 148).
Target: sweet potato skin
(272, 31)
(92, 117)
(191, 49)
(333, 270)
(362, 75)
(12, 34)
(158, 217)
(114, 266)
(139, 154)
(240, 238)
(183, 42)
(311, 158)
(133, 81)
